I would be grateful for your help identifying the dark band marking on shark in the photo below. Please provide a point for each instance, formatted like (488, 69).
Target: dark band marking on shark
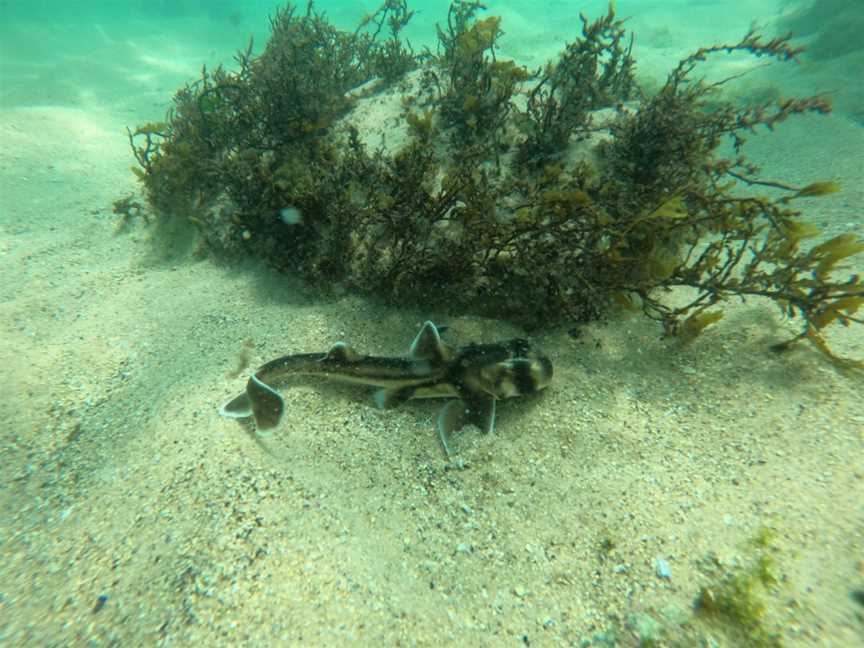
(475, 377)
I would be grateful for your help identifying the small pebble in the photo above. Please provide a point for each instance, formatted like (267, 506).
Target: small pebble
(100, 603)
(661, 568)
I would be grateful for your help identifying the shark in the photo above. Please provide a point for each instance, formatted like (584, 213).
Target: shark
(473, 378)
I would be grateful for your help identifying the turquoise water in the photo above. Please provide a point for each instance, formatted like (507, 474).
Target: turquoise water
(63, 51)
(131, 514)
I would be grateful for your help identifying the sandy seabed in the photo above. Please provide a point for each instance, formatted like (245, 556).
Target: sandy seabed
(131, 514)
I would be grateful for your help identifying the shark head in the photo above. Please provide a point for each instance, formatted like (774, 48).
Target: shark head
(485, 374)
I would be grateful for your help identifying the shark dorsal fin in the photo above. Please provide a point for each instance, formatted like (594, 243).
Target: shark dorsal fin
(341, 352)
(428, 345)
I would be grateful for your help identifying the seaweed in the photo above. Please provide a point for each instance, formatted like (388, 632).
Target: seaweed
(493, 207)
(273, 106)
(476, 97)
(594, 71)
(735, 600)
(391, 59)
(128, 209)
(721, 244)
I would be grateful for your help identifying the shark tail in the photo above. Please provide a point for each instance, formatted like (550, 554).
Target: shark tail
(259, 401)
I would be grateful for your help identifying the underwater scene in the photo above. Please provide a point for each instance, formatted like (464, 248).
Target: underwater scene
(432, 323)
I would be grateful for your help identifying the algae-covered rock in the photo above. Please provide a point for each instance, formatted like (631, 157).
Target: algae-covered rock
(459, 179)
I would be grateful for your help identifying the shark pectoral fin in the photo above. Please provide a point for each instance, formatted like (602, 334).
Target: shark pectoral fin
(481, 412)
(389, 398)
(458, 413)
(238, 407)
(266, 404)
(452, 418)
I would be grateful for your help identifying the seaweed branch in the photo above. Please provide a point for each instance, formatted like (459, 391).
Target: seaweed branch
(594, 71)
